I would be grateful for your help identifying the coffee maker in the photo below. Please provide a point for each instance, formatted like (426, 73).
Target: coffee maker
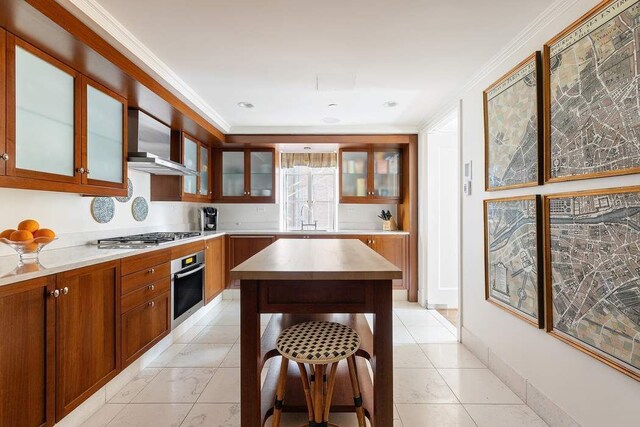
(208, 219)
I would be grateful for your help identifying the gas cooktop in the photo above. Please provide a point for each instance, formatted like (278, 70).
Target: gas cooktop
(145, 240)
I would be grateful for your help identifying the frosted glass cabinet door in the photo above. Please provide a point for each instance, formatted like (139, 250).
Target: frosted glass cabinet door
(386, 174)
(191, 161)
(204, 171)
(261, 173)
(44, 140)
(233, 174)
(355, 173)
(104, 136)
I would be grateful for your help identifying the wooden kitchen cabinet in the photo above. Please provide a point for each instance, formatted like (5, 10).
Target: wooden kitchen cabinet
(246, 175)
(27, 353)
(370, 175)
(83, 123)
(87, 333)
(144, 325)
(393, 247)
(241, 248)
(214, 268)
(4, 156)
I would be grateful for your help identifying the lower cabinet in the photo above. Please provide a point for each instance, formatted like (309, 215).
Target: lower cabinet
(394, 249)
(241, 248)
(27, 353)
(214, 268)
(143, 325)
(59, 343)
(87, 333)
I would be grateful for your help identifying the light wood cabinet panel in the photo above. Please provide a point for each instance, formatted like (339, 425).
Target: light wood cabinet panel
(393, 248)
(4, 156)
(27, 352)
(214, 268)
(144, 326)
(87, 333)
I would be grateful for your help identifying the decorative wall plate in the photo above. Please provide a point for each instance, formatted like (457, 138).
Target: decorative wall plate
(126, 198)
(140, 208)
(103, 209)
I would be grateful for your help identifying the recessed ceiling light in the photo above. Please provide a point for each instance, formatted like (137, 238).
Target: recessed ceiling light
(390, 104)
(245, 105)
(332, 105)
(331, 120)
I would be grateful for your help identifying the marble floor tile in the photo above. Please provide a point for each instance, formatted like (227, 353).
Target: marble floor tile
(166, 356)
(431, 334)
(232, 359)
(104, 415)
(409, 356)
(228, 318)
(156, 415)
(199, 356)
(417, 318)
(420, 386)
(218, 334)
(190, 334)
(135, 386)
(402, 336)
(478, 386)
(504, 416)
(176, 385)
(451, 356)
(435, 415)
(224, 387)
(213, 415)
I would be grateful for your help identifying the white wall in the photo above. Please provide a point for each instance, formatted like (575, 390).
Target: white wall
(589, 391)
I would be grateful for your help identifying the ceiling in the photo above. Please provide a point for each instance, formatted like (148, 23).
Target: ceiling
(270, 53)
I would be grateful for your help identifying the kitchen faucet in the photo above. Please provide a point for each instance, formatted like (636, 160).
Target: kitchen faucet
(309, 216)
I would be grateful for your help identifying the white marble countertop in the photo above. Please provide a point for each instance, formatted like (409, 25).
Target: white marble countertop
(55, 261)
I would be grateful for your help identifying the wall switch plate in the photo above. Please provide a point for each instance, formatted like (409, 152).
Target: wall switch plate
(466, 187)
(468, 170)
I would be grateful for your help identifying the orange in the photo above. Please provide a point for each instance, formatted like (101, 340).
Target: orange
(21, 236)
(6, 234)
(30, 225)
(44, 233)
(30, 247)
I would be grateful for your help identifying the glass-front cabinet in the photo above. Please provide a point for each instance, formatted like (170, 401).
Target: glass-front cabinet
(370, 175)
(247, 175)
(204, 179)
(62, 128)
(190, 160)
(195, 156)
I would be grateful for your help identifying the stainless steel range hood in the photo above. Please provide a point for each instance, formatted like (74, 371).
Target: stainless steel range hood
(150, 146)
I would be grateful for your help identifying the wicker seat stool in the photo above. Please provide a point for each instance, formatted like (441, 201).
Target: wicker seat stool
(320, 345)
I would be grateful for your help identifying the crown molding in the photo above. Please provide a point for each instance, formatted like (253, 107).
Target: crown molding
(324, 130)
(541, 21)
(108, 23)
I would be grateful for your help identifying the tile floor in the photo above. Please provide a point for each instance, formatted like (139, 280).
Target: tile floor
(196, 382)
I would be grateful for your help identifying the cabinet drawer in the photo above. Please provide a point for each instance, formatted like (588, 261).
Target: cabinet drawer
(144, 261)
(146, 277)
(144, 326)
(187, 249)
(144, 294)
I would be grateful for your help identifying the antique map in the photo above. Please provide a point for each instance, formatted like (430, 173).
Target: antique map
(595, 94)
(512, 129)
(512, 261)
(595, 272)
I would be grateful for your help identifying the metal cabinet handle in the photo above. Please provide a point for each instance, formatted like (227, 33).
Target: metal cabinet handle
(373, 241)
(55, 293)
(87, 171)
(151, 271)
(152, 304)
(65, 291)
(152, 287)
(80, 171)
(4, 156)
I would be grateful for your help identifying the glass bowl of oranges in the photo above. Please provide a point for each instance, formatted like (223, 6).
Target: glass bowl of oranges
(28, 239)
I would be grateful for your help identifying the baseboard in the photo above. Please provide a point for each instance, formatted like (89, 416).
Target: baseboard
(90, 406)
(540, 403)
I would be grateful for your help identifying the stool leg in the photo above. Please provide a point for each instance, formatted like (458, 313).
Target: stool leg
(357, 397)
(282, 382)
(307, 391)
(330, 386)
(318, 395)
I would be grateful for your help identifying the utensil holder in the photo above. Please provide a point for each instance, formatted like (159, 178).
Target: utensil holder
(389, 225)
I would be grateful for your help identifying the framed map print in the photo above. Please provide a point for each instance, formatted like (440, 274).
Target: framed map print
(592, 85)
(513, 256)
(593, 274)
(513, 128)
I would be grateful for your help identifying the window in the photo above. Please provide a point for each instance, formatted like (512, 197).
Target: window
(310, 187)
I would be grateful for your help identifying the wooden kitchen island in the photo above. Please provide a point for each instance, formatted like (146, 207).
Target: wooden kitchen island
(331, 279)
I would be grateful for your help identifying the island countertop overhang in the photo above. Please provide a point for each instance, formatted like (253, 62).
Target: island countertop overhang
(317, 259)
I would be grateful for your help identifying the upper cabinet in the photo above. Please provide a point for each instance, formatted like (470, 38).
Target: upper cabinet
(247, 175)
(370, 175)
(64, 132)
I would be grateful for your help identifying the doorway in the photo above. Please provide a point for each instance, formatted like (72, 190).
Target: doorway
(443, 219)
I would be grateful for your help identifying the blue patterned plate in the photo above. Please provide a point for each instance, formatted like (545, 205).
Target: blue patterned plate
(140, 208)
(103, 209)
(126, 198)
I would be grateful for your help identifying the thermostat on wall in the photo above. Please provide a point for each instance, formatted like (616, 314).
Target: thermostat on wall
(466, 182)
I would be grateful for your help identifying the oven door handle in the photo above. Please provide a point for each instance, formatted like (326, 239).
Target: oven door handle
(188, 273)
